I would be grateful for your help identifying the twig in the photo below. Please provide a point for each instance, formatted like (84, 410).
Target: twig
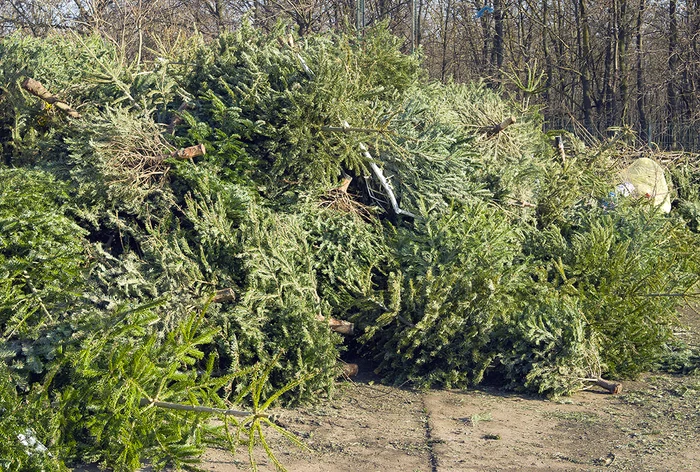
(521, 203)
(35, 292)
(340, 200)
(46, 313)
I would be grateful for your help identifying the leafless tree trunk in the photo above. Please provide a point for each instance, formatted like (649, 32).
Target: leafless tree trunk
(672, 71)
(641, 105)
(584, 46)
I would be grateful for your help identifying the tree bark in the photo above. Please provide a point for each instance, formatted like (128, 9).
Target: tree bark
(497, 51)
(225, 295)
(445, 41)
(549, 70)
(608, 74)
(623, 68)
(38, 90)
(189, 152)
(672, 72)
(641, 106)
(583, 35)
(612, 387)
(338, 326)
(495, 129)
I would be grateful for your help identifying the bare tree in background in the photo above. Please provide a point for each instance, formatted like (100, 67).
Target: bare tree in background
(607, 63)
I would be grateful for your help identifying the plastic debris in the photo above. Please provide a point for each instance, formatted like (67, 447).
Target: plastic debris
(30, 441)
(647, 179)
(483, 11)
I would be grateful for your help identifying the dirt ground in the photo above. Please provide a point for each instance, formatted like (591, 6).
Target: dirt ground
(654, 425)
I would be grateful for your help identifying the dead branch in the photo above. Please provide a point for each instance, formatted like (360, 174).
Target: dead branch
(38, 90)
(384, 183)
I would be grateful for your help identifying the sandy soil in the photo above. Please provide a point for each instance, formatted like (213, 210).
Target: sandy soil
(654, 425)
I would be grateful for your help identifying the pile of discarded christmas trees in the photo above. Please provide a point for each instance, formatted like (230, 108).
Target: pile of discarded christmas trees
(212, 231)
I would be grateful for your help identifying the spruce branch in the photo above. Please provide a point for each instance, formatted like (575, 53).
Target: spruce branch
(200, 409)
(350, 129)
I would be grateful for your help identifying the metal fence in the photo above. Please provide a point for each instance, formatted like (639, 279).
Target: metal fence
(664, 136)
(679, 136)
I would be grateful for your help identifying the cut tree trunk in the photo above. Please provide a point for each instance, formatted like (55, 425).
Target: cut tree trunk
(189, 152)
(224, 295)
(38, 90)
(495, 129)
(343, 187)
(350, 370)
(342, 327)
(339, 326)
(613, 387)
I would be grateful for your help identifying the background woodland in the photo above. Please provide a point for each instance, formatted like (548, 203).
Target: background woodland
(605, 63)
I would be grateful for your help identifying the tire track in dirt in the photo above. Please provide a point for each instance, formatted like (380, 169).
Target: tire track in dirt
(653, 426)
(429, 440)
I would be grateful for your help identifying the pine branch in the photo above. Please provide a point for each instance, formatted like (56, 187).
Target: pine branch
(200, 409)
(349, 129)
